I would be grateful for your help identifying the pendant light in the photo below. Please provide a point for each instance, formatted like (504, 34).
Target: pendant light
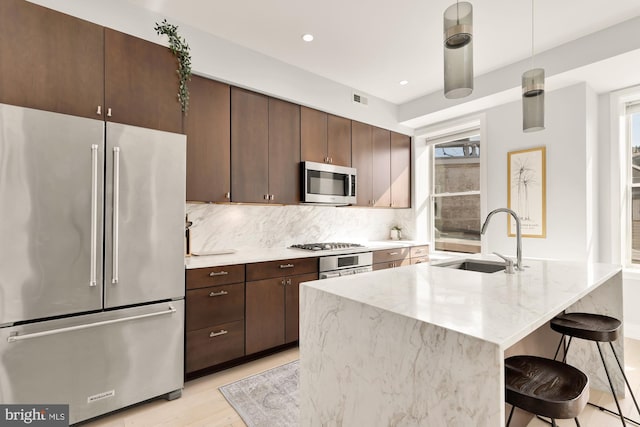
(533, 93)
(458, 50)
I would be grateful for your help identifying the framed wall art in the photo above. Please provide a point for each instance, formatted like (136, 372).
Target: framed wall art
(527, 187)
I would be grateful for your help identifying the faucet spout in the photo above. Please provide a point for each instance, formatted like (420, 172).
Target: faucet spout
(518, 232)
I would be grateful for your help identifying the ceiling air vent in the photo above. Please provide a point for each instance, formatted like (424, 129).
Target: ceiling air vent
(359, 99)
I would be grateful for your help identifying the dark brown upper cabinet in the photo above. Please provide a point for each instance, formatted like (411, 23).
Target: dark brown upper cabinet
(325, 138)
(265, 149)
(284, 152)
(208, 129)
(249, 146)
(362, 160)
(400, 170)
(381, 157)
(55, 62)
(50, 61)
(141, 83)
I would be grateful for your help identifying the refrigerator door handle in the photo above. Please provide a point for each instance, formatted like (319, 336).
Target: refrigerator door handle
(94, 214)
(14, 338)
(116, 212)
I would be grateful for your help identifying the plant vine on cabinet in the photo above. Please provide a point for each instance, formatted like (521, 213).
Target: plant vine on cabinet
(67, 65)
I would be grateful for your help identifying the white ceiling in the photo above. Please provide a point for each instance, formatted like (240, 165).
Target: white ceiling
(371, 45)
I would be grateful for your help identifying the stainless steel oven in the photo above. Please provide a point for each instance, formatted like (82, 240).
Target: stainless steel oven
(328, 184)
(345, 264)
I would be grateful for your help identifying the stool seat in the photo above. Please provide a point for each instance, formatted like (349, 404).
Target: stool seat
(588, 326)
(545, 386)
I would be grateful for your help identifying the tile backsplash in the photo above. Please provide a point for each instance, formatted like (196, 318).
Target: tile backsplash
(243, 226)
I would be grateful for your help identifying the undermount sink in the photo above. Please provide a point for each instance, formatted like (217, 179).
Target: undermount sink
(480, 266)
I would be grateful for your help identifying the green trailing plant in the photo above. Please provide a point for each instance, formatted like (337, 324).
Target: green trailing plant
(180, 49)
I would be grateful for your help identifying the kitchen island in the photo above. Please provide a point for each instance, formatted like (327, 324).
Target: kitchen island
(425, 345)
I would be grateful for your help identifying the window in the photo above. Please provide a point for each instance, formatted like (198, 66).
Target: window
(455, 192)
(633, 137)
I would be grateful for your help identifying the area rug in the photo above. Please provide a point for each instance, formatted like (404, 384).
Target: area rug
(267, 399)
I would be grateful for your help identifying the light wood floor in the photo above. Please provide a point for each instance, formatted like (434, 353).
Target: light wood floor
(202, 404)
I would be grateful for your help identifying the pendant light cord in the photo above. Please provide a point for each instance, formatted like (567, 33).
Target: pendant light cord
(532, 33)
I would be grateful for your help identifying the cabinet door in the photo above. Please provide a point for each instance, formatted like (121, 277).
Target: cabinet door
(264, 314)
(249, 146)
(381, 146)
(313, 134)
(292, 305)
(284, 152)
(208, 130)
(400, 170)
(141, 83)
(339, 140)
(362, 161)
(50, 61)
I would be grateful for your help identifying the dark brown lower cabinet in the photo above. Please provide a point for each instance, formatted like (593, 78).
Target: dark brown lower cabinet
(211, 346)
(391, 258)
(214, 318)
(271, 312)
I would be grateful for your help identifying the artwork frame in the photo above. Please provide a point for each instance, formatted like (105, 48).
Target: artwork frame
(527, 191)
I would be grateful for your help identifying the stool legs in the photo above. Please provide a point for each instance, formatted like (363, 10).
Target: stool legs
(606, 370)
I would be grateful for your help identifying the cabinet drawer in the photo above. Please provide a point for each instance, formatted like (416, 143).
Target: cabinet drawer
(214, 305)
(420, 251)
(391, 264)
(420, 260)
(285, 267)
(217, 344)
(387, 255)
(204, 277)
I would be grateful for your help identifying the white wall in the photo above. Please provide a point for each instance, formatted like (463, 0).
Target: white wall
(569, 214)
(226, 61)
(570, 141)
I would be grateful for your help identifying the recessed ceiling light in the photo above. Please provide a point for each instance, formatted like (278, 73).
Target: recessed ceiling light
(307, 37)
(403, 82)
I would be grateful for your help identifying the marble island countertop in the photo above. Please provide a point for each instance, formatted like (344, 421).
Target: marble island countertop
(254, 254)
(423, 345)
(495, 307)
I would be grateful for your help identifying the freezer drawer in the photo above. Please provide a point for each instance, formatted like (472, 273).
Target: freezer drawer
(95, 363)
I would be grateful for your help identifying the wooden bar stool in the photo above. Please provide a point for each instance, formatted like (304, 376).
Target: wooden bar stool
(545, 387)
(599, 329)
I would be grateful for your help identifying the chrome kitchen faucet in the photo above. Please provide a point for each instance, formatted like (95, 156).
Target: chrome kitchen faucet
(508, 262)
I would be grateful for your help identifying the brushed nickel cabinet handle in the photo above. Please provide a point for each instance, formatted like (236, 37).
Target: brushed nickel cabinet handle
(288, 281)
(99, 111)
(227, 195)
(218, 273)
(108, 112)
(217, 334)
(394, 253)
(286, 265)
(218, 294)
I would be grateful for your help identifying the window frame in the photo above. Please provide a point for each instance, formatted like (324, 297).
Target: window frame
(629, 184)
(460, 131)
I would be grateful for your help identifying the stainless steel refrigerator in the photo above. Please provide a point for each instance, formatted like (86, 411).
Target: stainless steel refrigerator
(91, 262)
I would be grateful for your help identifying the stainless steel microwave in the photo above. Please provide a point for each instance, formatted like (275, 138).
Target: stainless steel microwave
(328, 184)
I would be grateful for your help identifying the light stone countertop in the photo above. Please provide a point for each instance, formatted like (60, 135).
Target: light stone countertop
(249, 255)
(498, 308)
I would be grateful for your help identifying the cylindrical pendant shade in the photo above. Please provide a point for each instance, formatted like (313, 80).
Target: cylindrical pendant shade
(458, 50)
(533, 100)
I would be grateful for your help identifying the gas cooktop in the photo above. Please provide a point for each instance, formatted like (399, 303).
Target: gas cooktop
(326, 246)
